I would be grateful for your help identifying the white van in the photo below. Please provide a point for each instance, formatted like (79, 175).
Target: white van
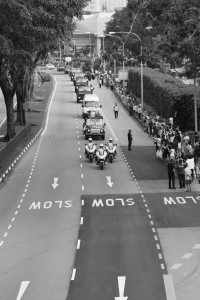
(90, 104)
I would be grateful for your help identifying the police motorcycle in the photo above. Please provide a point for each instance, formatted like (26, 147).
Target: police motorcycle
(111, 150)
(101, 156)
(90, 150)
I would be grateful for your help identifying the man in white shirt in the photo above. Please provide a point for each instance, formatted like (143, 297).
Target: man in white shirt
(116, 110)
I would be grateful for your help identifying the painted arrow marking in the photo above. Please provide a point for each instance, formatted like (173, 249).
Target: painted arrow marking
(109, 182)
(22, 290)
(55, 184)
(121, 284)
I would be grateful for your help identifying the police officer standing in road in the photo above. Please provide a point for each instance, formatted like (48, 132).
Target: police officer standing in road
(130, 138)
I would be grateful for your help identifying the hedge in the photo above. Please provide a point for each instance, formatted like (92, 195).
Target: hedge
(166, 94)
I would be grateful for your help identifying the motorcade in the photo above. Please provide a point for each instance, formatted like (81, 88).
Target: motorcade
(60, 67)
(82, 91)
(94, 126)
(90, 104)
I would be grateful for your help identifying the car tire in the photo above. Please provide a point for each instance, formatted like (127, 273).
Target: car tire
(103, 137)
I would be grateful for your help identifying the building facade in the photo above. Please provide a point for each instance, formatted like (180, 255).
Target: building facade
(89, 34)
(105, 5)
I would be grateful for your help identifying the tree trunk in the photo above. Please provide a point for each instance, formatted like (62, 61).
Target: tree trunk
(30, 88)
(8, 98)
(20, 105)
(23, 93)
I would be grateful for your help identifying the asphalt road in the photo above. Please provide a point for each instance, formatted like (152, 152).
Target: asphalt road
(84, 238)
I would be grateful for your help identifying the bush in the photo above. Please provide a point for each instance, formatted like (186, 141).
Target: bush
(166, 94)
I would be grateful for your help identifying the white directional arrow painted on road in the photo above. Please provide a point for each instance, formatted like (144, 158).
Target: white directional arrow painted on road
(121, 284)
(55, 184)
(109, 182)
(22, 290)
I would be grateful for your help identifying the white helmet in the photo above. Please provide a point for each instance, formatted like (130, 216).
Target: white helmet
(90, 140)
(101, 146)
(110, 140)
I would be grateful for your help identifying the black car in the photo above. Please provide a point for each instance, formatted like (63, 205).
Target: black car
(80, 82)
(79, 77)
(60, 67)
(82, 90)
(94, 126)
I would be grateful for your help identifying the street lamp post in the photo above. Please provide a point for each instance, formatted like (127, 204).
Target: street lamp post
(74, 48)
(60, 51)
(123, 42)
(102, 43)
(141, 63)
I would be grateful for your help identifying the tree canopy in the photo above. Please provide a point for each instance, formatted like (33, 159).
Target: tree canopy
(29, 30)
(169, 30)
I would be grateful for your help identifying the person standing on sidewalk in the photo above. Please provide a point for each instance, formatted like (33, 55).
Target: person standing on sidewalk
(188, 178)
(116, 110)
(99, 81)
(130, 138)
(171, 174)
(181, 173)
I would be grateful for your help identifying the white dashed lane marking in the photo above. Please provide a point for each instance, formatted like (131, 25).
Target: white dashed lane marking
(73, 274)
(27, 184)
(78, 244)
(175, 266)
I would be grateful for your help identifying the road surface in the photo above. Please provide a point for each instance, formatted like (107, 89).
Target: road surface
(66, 233)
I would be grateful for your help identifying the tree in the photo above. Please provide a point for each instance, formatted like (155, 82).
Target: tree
(177, 32)
(30, 29)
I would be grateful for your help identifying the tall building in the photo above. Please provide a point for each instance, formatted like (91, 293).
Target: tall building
(105, 5)
(90, 31)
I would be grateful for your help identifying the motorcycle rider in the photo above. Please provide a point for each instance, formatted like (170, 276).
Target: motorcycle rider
(101, 151)
(89, 145)
(111, 145)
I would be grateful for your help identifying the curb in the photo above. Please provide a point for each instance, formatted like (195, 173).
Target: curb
(19, 156)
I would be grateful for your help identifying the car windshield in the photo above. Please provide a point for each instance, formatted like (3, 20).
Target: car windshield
(80, 76)
(94, 122)
(92, 104)
(84, 89)
(80, 80)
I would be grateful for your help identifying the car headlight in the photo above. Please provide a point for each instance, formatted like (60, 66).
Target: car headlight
(102, 130)
(88, 130)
